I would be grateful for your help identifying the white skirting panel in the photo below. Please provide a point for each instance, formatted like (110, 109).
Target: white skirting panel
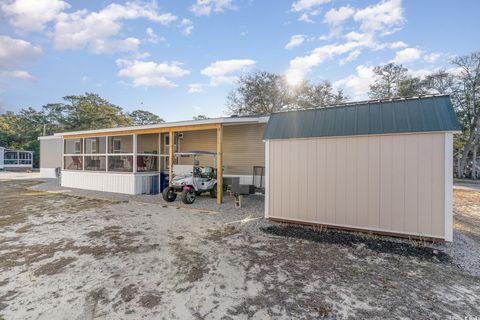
(100, 181)
(47, 173)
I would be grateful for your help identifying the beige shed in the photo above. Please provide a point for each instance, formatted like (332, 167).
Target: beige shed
(377, 166)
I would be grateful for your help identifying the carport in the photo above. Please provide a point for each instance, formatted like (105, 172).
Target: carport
(377, 166)
(131, 160)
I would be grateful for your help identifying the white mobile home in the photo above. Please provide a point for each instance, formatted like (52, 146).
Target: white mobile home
(377, 166)
(15, 160)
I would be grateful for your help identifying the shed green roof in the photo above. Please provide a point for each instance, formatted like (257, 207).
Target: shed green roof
(424, 114)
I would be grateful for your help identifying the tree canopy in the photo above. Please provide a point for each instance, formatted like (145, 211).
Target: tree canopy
(262, 92)
(142, 117)
(77, 112)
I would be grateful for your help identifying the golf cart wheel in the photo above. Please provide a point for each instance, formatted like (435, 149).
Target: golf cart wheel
(169, 194)
(213, 192)
(188, 196)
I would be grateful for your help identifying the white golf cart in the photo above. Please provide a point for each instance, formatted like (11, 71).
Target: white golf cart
(200, 179)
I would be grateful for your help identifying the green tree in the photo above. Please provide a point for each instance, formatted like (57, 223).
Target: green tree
(258, 93)
(78, 112)
(142, 117)
(90, 111)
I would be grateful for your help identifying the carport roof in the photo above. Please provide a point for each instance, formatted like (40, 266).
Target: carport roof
(423, 114)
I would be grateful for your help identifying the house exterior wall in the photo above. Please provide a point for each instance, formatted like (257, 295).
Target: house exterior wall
(51, 152)
(243, 147)
(399, 184)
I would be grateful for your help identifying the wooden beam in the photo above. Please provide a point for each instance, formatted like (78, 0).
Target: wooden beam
(220, 164)
(195, 127)
(171, 142)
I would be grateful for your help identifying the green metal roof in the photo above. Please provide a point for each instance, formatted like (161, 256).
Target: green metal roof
(425, 114)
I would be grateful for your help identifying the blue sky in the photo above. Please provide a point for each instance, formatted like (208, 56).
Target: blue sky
(181, 58)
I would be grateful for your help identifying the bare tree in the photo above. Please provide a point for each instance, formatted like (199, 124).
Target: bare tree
(387, 80)
(467, 102)
(262, 93)
(319, 95)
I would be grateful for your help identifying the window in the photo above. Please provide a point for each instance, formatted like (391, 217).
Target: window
(95, 145)
(120, 144)
(120, 163)
(78, 147)
(73, 146)
(73, 163)
(148, 143)
(95, 163)
(117, 146)
(25, 158)
(147, 163)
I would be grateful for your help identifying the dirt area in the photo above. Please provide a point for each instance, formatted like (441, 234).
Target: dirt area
(73, 257)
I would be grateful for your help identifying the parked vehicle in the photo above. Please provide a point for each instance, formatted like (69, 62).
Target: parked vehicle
(202, 180)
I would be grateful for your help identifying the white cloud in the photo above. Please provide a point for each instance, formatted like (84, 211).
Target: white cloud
(351, 56)
(13, 54)
(432, 57)
(153, 37)
(407, 55)
(206, 7)
(398, 45)
(305, 5)
(336, 17)
(187, 26)
(149, 73)
(97, 30)
(383, 17)
(195, 88)
(225, 71)
(301, 66)
(32, 15)
(19, 74)
(295, 41)
(308, 8)
(358, 84)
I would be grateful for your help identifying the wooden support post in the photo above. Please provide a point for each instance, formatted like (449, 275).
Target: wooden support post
(171, 143)
(134, 153)
(219, 164)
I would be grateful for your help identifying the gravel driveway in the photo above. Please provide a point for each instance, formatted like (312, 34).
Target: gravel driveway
(71, 257)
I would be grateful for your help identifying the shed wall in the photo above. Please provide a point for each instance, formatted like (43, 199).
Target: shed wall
(386, 183)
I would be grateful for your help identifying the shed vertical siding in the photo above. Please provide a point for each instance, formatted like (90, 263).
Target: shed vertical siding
(387, 183)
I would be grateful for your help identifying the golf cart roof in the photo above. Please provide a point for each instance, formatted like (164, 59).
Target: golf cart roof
(196, 153)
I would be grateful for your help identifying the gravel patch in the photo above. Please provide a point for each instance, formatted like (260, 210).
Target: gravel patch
(374, 243)
(465, 252)
(252, 204)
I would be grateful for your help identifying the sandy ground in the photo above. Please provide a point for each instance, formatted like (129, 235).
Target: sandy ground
(70, 257)
(18, 175)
